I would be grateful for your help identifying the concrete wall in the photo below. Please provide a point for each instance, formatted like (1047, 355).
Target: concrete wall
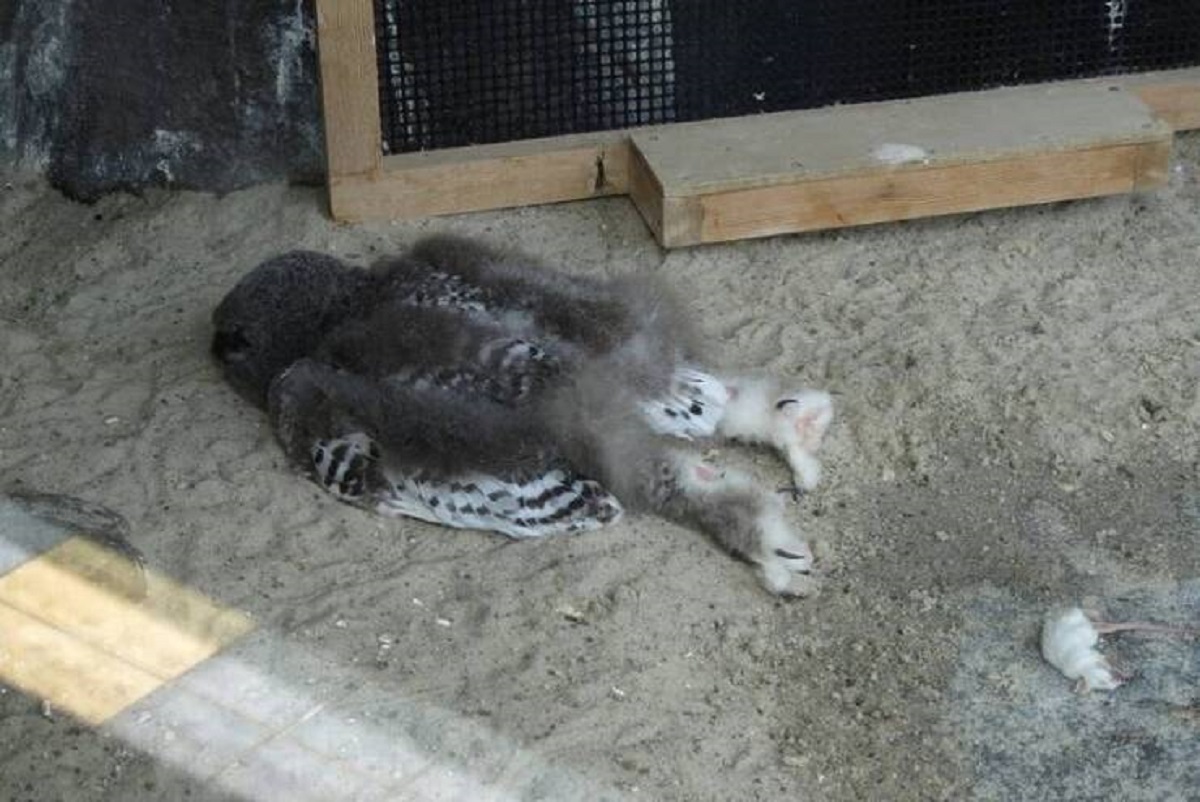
(123, 94)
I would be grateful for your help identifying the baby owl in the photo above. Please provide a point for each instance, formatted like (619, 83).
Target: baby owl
(471, 387)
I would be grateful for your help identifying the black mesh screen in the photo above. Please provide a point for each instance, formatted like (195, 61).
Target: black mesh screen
(459, 72)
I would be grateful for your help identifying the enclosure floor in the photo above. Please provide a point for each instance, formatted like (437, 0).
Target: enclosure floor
(1019, 422)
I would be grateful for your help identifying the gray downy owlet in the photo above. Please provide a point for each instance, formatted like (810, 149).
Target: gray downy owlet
(475, 388)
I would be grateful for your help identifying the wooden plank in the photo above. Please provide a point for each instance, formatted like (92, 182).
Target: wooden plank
(746, 152)
(1173, 95)
(70, 674)
(164, 632)
(801, 171)
(1177, 104)
(485, 177)
(907, 194)
(349, 86)
(645, 192)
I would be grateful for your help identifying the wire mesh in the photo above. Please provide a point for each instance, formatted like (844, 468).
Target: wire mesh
(460, 72)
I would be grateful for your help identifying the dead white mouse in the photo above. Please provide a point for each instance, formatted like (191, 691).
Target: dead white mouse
(1069, 639)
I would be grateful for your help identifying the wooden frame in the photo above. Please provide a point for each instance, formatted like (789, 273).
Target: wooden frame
(365, 184)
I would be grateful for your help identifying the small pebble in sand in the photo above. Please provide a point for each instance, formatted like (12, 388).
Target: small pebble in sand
(571, 613)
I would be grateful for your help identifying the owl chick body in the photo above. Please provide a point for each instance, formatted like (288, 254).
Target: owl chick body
(474, 388)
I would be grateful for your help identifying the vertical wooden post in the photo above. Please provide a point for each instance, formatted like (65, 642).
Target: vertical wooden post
(349, 91)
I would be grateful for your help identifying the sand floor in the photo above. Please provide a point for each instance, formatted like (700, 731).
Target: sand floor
(1019, 427)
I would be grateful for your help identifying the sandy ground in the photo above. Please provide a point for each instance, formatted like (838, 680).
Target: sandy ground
(1019, 423)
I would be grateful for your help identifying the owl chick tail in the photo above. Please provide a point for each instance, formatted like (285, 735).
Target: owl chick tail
(530, 505)
(521, 504)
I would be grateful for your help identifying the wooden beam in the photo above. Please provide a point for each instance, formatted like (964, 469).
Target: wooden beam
(801, 171)
(349, 88)
(909, 194)
(1173, 95)
(486, 177)
(646, 192)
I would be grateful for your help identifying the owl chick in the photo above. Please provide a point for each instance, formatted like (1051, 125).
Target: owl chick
(475, 388)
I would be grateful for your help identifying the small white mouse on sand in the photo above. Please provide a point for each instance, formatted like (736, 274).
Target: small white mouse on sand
(1069, 639)
(1069, 644)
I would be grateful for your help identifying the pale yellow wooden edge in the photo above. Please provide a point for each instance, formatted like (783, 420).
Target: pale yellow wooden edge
(1173, 95)
(645, 190)
(349, 86)
(494, 177)
(917, 192)
(70, 674)
(165, 633)
(1178, 105)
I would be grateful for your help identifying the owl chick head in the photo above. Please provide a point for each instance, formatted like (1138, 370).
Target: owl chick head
(279, 313)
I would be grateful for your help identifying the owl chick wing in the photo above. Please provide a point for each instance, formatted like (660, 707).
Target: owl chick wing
(428, 453)
(435, 348)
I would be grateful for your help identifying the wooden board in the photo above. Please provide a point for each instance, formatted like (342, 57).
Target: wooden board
(485, 177)
(646, 192)
(908, 194)
(800, 171)
(1173, 95)
(1177, 104)
(349, 87)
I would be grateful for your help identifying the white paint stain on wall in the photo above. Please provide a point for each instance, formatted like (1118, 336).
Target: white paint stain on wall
(292, 39)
